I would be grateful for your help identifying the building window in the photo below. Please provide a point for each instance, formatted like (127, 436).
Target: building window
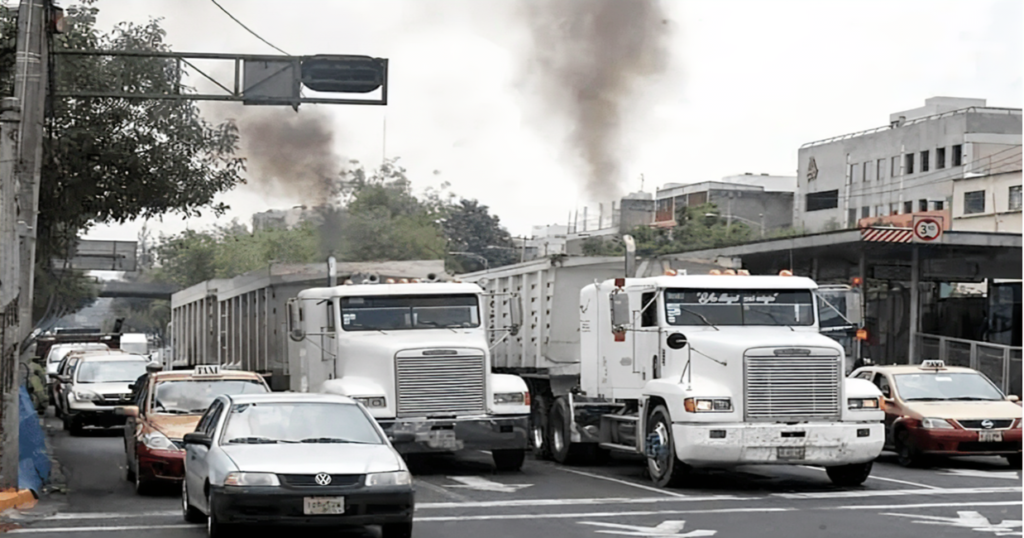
(908, 207)
(866, 171)
(879, 210)
(908, 164)
(974, 202)
(851, 217)
(925, 161)
(853, 174)
(880, 170)
(817, 201)
(895, 167)
(958, 156)
(938, 205)
(922, 205)
(865, 212)
(940, 158)
(894, 209)
(1015, 201)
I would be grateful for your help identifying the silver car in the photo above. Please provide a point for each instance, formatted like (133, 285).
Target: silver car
(294, 458)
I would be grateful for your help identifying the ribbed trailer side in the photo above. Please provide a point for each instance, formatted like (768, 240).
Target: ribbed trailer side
(193, 325)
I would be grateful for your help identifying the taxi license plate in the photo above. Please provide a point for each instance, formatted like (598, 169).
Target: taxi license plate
(791, 452)
(990, 437)
(444, 439)
(313, 506)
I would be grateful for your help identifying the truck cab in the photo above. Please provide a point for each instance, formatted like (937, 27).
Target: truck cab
(416, 356)
(719, 371)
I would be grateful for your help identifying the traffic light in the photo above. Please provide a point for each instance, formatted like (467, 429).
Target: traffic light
(343, 74)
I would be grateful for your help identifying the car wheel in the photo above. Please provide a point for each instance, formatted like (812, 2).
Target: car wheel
(75, 426)
(666, 470)
(906, 454)
(189, 512)
(396, 530)
(508, 460)
(214, 528)
(849, 475)
(1014, 460)
(540, 434)
(143, 486)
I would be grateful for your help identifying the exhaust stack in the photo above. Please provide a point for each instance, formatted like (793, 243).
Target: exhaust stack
(630, 255)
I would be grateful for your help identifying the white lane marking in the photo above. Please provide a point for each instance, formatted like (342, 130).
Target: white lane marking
(885, 479)
(618, 481)
(927, 505)
(975, 473)
(443, 491)
(895, 493)
(969, 520)
(584, 515)
(118, 528)
(665, 528)
(110, 515)
(482, 484)
(530, 503)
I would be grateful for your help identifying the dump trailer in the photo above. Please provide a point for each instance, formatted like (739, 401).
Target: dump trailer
(239, 323)
(691, 365)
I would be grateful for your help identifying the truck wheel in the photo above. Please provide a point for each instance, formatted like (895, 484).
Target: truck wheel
(1014, 460)
(540, 432)
(560, 426)
(849, 475)
(508, 460)
(666, 470)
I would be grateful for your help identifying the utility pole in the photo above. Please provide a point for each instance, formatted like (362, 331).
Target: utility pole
(10, 263)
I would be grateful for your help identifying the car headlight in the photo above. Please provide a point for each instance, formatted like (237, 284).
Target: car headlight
(87, 396)
(511, 398)
(864, 403)
(238, 478)
(395, 478)
(932, 423)
(707, 405)
(157, 441)
(371, 401)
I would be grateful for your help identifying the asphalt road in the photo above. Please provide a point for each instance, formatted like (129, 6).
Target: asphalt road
(463, 497)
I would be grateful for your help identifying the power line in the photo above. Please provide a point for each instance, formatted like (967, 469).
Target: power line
(228, 13)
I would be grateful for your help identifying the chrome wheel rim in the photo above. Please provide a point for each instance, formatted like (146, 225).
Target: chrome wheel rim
(659, 463)
(557, 440)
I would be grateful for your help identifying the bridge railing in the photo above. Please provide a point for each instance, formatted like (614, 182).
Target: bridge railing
(1002, 364)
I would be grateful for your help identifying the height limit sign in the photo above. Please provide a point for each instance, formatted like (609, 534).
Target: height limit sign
(927, 229)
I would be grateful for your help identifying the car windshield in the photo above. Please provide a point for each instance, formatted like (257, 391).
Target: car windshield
(110, 371)
(59, 352)
(192, 397)
(964, 386)
(302, 422)
(739, 307)
(409, 312)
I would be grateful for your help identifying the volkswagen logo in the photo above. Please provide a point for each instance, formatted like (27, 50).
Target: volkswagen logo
(324, 479)
(987, 424)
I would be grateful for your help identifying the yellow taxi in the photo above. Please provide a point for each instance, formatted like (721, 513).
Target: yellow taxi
(936, 410)
(167, 406)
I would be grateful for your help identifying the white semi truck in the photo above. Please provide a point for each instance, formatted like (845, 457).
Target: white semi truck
(711, 370)
(416, 355)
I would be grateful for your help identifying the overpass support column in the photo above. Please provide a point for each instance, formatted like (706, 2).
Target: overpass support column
(915, 301)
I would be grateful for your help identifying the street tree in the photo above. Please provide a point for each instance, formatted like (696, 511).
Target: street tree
(469, 227)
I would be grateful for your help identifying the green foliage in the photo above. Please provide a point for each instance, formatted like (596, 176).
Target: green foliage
(470, 228)
(59, 293)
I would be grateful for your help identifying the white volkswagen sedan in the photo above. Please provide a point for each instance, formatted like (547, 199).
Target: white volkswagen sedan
(294, 458)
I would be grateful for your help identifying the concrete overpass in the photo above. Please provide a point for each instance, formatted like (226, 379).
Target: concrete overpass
(140, 290)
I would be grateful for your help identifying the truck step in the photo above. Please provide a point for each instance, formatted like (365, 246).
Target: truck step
(621, 418)
(613, 446)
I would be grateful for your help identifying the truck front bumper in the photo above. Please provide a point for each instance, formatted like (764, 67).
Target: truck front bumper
(420, 436)
(825, 443)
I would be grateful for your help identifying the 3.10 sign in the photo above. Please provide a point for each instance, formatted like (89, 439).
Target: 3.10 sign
(927, 229)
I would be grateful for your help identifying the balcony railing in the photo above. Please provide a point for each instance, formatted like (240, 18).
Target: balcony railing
(1002, 364)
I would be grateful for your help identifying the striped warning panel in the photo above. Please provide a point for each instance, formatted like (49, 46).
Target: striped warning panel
(887, 235)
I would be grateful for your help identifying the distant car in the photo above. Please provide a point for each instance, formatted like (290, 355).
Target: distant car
(59, 351)
(936, 410)
(294, 458)
(60, 382)
(96, 386)
(167, 407)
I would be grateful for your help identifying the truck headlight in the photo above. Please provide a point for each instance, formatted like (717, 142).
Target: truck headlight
(512, 398)
(157, 441)
(371, 401)
(87, 396)
(395, 478)
(238, 478)
(706, 405)
(932, 423)
(864, 403)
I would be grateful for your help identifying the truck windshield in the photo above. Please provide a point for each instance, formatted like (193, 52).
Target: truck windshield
(398, 312)
(739, 307)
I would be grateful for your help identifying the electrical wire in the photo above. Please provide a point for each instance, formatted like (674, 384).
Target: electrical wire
(228, 13)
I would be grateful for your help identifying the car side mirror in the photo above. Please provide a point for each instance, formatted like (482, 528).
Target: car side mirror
(127, 411)
(1013, 398)
(64, 378)
(198, 438)
(53, 376)
(887, 392)
(131, 386)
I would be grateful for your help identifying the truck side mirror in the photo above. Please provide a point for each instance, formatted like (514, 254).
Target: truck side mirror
(295, 331)
(516, 313)
(620, 310)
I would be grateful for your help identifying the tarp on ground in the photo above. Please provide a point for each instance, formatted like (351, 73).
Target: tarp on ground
(34, 462)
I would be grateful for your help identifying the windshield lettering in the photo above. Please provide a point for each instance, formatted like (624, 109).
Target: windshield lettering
(739, 307)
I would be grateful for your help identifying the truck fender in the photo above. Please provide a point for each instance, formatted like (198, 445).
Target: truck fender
(504, 384)
(672, 394)
(353, 386)
(860, 388)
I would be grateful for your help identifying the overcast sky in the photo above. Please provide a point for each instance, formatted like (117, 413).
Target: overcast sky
(745, 84)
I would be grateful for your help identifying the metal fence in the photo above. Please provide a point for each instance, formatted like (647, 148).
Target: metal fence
(1002, 364)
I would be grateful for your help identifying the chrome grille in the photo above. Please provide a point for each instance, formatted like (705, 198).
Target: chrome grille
(788, 388)
(440, 385)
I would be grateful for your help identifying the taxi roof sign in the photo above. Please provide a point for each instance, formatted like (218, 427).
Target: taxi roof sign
(933, 364)
(206, 370)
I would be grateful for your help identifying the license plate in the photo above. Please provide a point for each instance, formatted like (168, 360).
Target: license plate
(444, 439)
(990, 437)
(791, 452)
(314, 506)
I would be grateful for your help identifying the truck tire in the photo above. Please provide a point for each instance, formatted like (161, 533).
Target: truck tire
(850, 475)
(540, 432)
(509, 460)
(665, 469)
(563, 450)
